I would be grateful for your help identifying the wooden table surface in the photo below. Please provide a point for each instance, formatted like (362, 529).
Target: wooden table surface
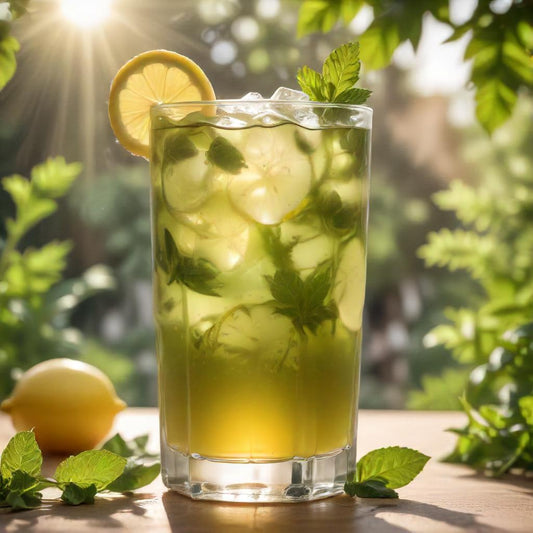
(444, 498)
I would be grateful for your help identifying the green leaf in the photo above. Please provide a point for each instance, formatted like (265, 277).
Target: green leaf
(197, 274)
(495, 102)
(18, 187)
(20, 491)
(304, 302)
(340, 72)
(353, 96)
(9, 46)
(21, 482)
(135, 475)
(310, 82)
(224, 155)
(27, 500)
(76, 495)
(92, 467)
(394, 466)
(317, 15)
(378, 43)
(371, 488)
(118, 446)
(133, 448)
(21, 454)
(54, 177)
(526, 409)
(460, 249)
(18, 7)
(178, 147)
(440, 392)
(341, 68)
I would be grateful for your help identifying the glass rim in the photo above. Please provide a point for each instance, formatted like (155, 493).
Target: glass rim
(233, 101)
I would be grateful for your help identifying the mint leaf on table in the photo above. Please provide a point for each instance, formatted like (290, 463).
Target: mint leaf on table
(197, 274)
(92, 467)
(21, 454)
(20, 491)
(73, 494)
(380, 471)
(340, 73)
(224, 155)
(136, 475)
(372, 488)
(133, 448)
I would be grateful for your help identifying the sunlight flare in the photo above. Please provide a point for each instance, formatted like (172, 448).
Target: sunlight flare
(86, 14)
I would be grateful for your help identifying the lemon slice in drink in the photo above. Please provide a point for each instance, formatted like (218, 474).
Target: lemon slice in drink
(349, 289)
(276, 179)
(154, 77)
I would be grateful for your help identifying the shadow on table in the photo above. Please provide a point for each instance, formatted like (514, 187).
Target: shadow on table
(516, 482)
(337, 514)
(108, 513)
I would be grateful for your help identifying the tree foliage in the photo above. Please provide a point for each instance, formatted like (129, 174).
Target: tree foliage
(9, 46)
(36, 303)
(494, 337)
(500, 44)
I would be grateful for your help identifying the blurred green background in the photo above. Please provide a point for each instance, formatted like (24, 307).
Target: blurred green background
(92, 299)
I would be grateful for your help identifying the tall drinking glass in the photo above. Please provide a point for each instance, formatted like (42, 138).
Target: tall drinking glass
(259, 217)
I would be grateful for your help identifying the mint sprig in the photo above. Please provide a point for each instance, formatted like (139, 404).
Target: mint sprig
(79, 477)
(340, 72)
(305, 302)
(381, 471)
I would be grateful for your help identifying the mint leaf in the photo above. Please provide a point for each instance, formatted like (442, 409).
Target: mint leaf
(133, 448)
(303, 301)
(371, 488)
(22, 482)
(340, 72)
(135, 475)
(75, 495)
(394, 466)
(119, 446)
(93, 467)
(353, 96)
(178, 147)
(21, 454)
(224, 155)
(311, 83)
(341, 68)
(20, 491)
(197, 274)
(19, 501)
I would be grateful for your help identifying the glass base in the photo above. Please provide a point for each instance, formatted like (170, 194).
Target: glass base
(291, 480)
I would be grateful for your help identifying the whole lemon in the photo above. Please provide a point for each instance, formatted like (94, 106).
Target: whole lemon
(69, 404)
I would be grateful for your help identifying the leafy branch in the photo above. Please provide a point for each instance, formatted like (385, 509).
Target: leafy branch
(499, 44)
(9, 46)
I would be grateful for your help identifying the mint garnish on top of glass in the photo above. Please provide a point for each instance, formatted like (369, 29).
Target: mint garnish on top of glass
(340, 73)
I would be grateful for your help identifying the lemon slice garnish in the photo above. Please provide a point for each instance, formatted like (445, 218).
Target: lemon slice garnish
(154, 77)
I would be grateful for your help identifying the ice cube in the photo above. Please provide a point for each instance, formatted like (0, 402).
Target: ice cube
(242, 105)
(252, 96)
(284, 93)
